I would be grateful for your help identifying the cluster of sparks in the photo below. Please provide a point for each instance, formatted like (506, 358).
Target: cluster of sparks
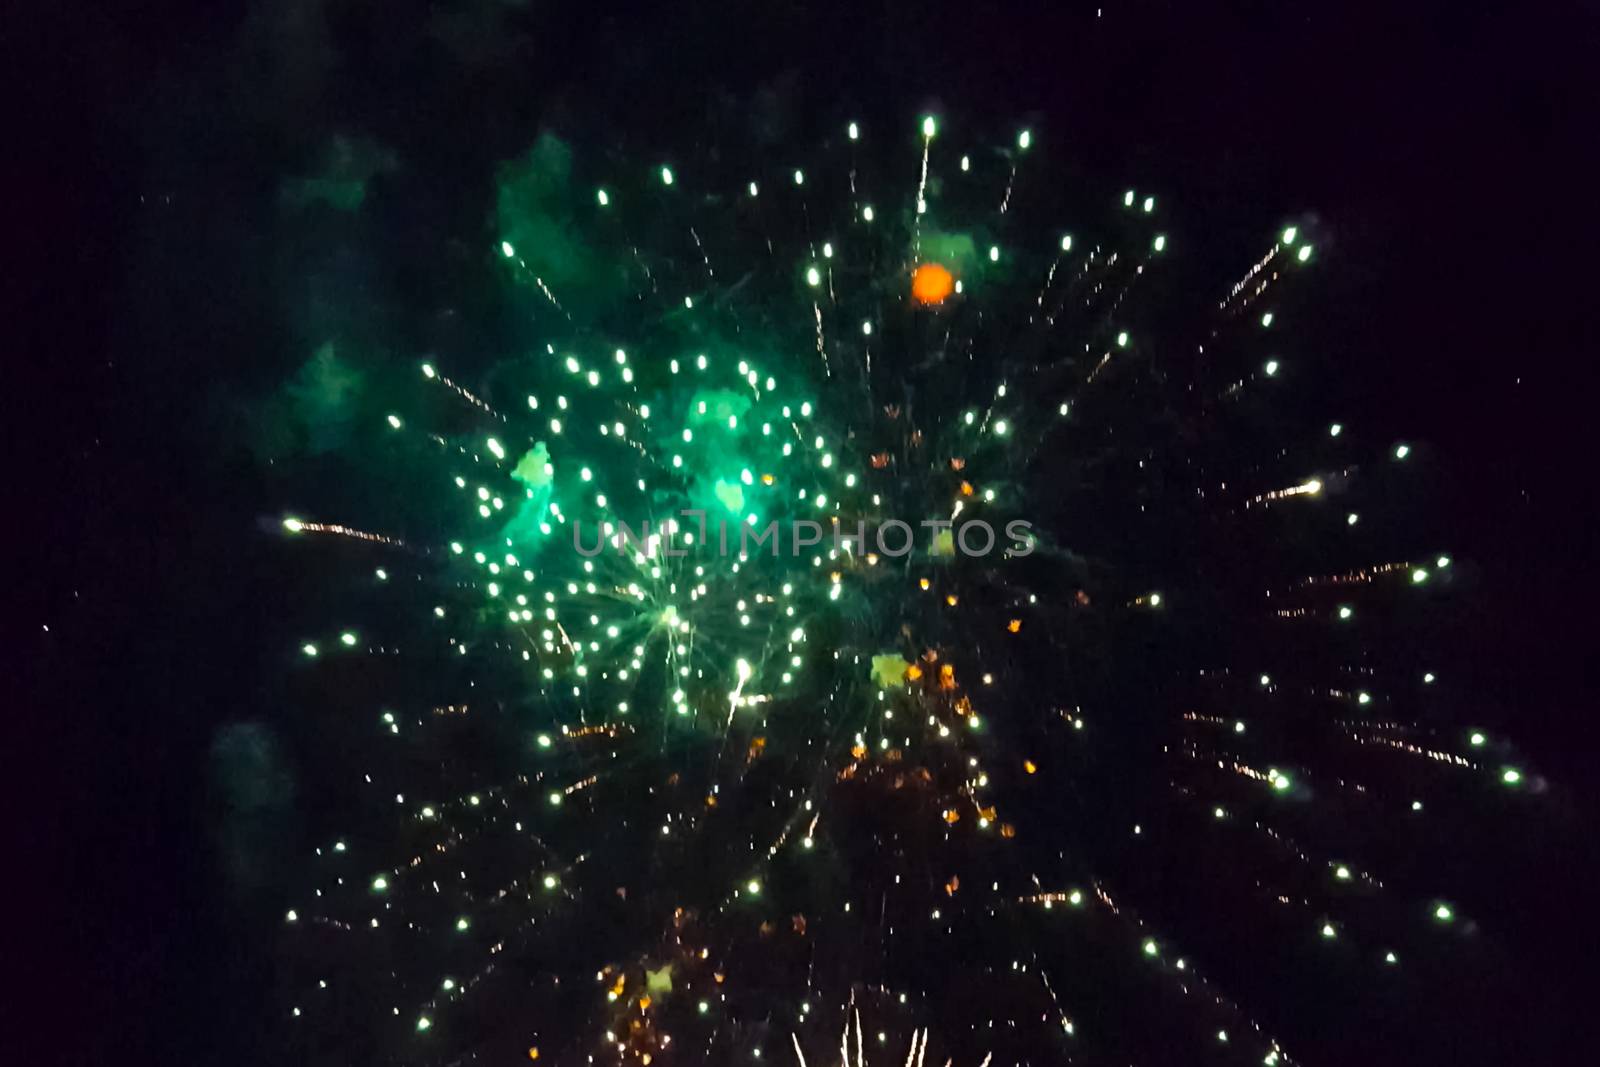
(610, 571)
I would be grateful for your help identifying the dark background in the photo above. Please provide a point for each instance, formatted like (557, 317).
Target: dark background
(1443, 146)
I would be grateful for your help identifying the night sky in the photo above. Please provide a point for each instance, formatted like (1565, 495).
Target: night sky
(1440, 152)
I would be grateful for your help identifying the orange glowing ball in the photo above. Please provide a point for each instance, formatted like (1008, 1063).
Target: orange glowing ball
(931, 283)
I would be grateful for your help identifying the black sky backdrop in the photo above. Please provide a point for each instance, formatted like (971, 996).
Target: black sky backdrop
(1443, 145)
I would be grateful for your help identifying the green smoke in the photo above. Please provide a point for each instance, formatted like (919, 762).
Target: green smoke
(535, 471)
